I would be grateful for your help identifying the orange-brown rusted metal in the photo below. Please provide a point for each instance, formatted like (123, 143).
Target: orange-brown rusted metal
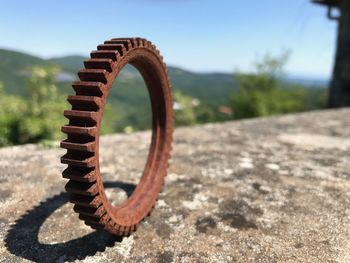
(82, 143)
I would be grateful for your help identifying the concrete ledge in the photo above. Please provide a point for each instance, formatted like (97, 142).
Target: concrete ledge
(263, 190)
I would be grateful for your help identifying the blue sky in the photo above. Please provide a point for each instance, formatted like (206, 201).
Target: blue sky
(199, 35)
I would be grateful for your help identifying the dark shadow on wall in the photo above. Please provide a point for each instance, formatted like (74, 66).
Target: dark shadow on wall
(22, 239)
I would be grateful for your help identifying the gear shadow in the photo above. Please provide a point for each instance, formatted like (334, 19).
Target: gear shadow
(22, 239)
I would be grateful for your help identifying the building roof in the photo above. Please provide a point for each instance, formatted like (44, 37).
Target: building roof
(328, 2)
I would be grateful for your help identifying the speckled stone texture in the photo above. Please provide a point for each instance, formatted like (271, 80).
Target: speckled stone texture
(263, 190)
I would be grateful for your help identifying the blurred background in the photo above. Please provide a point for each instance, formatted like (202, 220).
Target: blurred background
(227, 60)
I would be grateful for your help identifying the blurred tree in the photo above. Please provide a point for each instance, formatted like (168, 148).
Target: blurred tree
(43, 116)
(37, 118)
(205, 113)
(109, 119)
(11, 111)
(260, 94)
(184, 109)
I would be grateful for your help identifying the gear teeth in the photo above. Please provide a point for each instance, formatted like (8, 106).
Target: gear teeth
(133, 41)
(89, 146)
(119, 47)
(91, 131)
(84, 116)
(127, 43)
(113, 228)
(121, 230)
(94, 212)
(87, 175)
(84, 185)
(148, 44)
(94, 225)
(80, 159)
(139, 42)
(88, 88)
(142, 42)
(91, 219)
(128, 230)
(99, 63)
(96, 75)
(89, 189)
(89, 103)
(87, 201)
(102, 221)
(111, 54)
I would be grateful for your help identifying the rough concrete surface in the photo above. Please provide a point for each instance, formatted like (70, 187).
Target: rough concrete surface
(263, 190)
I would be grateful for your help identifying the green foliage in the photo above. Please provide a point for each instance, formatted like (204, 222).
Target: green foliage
(32, 98)
(315, 99)
(263, 94)
(184, 109)
(44, 107)
(205, 113)
(11, 110)
(210, 88)
(37, 118)
(190, 111)
(15, 70)
(128, 106)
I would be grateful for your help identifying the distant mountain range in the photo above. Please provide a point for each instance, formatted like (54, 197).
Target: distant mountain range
(314, 82)
(212, 88)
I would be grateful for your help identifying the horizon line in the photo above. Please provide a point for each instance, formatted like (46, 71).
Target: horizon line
(318, 77)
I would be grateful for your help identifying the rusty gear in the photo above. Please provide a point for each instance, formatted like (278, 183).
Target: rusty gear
(85, 182)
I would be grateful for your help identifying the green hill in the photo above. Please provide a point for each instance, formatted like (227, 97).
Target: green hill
(14, 69)
(129, 96)
(211, 88)
(199, 97)
(69, 63)
(14, 72)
